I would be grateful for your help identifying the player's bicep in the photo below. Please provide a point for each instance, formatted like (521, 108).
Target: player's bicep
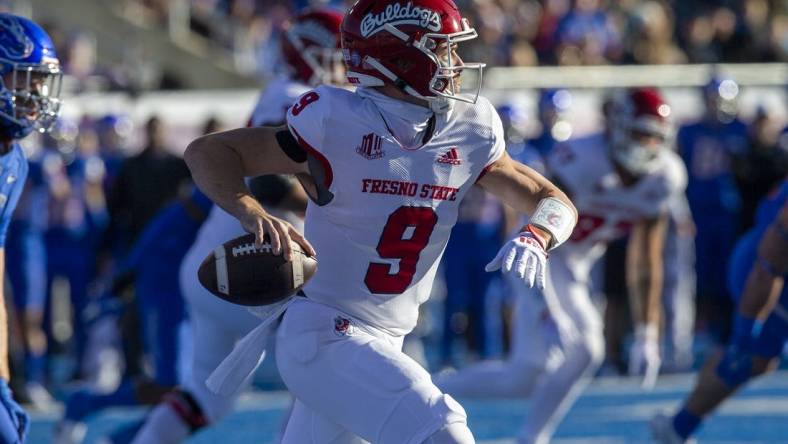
(259, 150)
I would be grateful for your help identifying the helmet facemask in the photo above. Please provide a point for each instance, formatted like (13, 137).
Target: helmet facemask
(445, 83)
(633, 152)
(327, 64)
(29, 94)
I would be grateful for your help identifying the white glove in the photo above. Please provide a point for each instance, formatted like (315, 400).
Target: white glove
(526, 256)
(644, 355)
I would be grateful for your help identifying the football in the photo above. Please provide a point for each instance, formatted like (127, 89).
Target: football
(240, 272)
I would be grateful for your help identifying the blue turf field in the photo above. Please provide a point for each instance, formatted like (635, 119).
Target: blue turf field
(611, 411)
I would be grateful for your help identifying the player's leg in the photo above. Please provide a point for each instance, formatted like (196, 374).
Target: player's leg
(26, 265)
(722, 375)
(583, 351)
(679, 298)
(356, 377)
(516, 375)
(216, 326)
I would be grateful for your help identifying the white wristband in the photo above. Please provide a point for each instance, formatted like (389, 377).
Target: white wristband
(556, 218)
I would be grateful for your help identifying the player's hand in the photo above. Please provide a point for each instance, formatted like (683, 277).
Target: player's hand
(644, 356)
(524, 255)
(281, 232)
(13, 420)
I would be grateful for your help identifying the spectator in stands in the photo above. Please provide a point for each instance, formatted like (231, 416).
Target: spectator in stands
(761, 167)
(650, 39)
(587, 36)
(145, 183)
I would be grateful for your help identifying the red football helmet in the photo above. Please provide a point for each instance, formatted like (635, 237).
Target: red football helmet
(397, 42)
(310, 47)
(640, 129)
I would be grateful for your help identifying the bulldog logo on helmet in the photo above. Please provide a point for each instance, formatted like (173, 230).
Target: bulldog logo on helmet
(14, 44)
(397, 14)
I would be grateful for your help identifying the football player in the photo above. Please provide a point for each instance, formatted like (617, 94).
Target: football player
(29, 92)
(709, 147)
(757, 272)
(310, 48)
(619, 185)
(385, 167)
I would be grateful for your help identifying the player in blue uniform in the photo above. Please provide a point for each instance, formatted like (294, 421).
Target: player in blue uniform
(756, 274)
(26, 264)
(29, 101)
(77, 216)
(152, 265)
(708, 148)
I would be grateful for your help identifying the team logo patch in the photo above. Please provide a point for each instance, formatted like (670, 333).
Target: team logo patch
(343, 326)
(14, 44)
(449, 157)
(371, 147)
(398, 14)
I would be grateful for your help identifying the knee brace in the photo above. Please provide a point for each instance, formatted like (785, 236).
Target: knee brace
(187, 408)
(770, 341)
(735, 367)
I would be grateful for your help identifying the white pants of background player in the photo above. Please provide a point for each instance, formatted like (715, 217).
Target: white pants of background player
(678, 295)
(353, 384)
(556, 346)
(216, 327)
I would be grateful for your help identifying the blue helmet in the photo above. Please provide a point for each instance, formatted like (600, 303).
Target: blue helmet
(555, 101)
(721, 94)
(552, 110)
(31, 78)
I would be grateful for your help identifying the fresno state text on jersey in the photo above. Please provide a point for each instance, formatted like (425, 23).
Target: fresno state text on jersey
(382, 234)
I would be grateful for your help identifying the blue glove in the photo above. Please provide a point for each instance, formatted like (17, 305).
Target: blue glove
(13, 420)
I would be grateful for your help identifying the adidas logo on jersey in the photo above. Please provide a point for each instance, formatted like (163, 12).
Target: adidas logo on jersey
(450, 157)
(370, 147)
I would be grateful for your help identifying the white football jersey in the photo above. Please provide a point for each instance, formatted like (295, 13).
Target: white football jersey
(607, 209)
(274, 101)
(380, 237)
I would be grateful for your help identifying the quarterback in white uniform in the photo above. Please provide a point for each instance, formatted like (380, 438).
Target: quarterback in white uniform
(619, 186)
(217, 325)
(386, 168)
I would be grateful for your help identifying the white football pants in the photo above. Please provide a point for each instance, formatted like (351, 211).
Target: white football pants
(354, 384)
(557, 345)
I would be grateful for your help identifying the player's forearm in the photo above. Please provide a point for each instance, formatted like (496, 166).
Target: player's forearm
(5, 373)
(540, 188)
(522, 189)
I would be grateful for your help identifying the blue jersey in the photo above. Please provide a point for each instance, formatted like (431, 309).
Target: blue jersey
(708, 150)
(746, 250)
(13, 172)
